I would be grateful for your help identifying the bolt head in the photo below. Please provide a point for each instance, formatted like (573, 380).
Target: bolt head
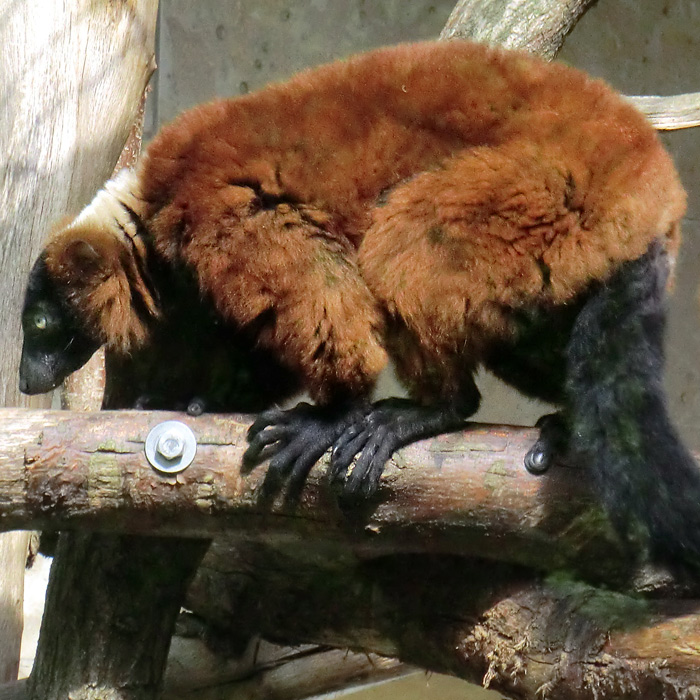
(170, 445)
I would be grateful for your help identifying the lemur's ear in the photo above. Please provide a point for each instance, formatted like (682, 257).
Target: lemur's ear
(83, 252)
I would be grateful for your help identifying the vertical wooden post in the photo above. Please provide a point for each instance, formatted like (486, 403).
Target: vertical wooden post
(73, 76)
(112, 603)
(13, 555)
(112, 600)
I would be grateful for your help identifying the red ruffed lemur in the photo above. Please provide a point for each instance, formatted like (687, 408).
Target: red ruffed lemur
(447, 204)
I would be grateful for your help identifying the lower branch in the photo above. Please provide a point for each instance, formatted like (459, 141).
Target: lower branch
(264, 672)
(482, 621)
(269, 672)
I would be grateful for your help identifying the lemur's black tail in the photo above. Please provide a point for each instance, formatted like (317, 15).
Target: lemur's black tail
(648, 480)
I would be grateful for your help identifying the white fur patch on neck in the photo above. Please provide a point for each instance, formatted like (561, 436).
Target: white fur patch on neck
(111, 204)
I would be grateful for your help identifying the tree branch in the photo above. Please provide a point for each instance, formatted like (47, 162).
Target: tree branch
(538, 26)
(485, 622)
(451, 494)
(264, 672)
(269, 672)
(668, 113)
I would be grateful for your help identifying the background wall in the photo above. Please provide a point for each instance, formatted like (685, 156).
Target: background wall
(226, 47)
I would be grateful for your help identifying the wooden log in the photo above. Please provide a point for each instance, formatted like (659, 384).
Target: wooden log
(488, 623)
(538, 26)
(264, 672)
(14, 691)
(13, 558)
(269, 672)
(74, 74)
(461, 493)
(121, 618)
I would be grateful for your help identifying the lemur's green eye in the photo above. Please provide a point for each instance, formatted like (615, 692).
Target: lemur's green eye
(41, 322)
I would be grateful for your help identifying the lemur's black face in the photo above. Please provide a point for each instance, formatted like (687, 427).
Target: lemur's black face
(54, 345)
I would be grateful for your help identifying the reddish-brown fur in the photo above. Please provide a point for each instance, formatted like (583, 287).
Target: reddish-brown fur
(505, 227)
(471, 180)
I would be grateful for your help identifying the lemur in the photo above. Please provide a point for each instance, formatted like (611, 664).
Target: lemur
(448, 205)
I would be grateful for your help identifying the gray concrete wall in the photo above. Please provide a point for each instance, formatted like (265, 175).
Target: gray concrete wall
(225, 47)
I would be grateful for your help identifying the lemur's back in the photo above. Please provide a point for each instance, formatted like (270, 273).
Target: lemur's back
(339, 135)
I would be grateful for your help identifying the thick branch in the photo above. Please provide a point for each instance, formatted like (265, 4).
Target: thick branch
(481, 621)
(538, 26)
(453, 494)
(270, 672)
(265, 672)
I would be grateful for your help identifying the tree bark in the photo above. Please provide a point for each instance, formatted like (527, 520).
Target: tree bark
(538, 26)
(60, 144)
(452, 494)
(489, 623)
(102, 641)
(13, 557)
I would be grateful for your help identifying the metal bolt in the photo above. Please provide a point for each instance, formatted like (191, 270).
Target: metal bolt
(171, 447)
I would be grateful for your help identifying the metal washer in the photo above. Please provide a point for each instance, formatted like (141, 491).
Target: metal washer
(158, 461)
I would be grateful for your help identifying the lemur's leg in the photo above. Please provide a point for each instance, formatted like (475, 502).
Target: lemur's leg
(646, 478)
(286, 275)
